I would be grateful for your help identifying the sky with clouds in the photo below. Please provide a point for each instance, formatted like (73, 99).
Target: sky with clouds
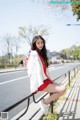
(16, 13)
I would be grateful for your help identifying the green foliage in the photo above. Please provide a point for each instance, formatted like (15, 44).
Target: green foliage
(2, 66)
(8, 65)
(76, 53)
(73, 52)
(76, 9)
(5, 62)
(51, 116)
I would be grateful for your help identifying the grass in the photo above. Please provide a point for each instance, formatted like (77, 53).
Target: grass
(51, 116)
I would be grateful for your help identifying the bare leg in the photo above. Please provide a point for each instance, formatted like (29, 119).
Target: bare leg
(57, 90)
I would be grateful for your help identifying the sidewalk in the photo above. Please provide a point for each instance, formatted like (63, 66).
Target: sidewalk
(34, 110)
(69, 106)
(11, 69)
(16, 69)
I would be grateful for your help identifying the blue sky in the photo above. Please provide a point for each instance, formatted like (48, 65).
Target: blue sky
(16, 13)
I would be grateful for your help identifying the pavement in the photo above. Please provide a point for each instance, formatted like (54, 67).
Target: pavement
(11, 69)
(34, 110)
(69, 105)
(16, 69)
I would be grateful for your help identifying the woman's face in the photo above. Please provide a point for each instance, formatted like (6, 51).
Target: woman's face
(39, 44)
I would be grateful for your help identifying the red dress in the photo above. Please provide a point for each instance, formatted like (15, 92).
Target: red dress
(47, 81)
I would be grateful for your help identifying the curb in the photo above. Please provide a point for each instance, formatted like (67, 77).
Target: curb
(14, 69)
(11, 70)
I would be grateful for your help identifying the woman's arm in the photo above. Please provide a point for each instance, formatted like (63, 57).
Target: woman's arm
(30, 63)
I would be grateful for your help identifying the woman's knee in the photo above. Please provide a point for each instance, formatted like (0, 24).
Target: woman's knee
(55, 88)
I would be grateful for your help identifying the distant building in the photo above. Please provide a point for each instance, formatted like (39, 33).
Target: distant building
(55, 57)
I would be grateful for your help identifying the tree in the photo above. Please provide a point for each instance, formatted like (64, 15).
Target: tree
(63, 53)
(30, 32)
(76, 8)
(59, 6)
(72, 52)
(10, 46)
(16, 43)
(76, 53)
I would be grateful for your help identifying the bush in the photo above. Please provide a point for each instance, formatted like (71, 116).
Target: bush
(8, 65)
(50, 116)
(2, 66)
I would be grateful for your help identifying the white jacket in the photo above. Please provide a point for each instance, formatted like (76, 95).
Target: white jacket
(35, 71)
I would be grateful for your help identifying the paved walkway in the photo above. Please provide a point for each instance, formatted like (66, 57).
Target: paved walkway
(70, 109)
(11, 69)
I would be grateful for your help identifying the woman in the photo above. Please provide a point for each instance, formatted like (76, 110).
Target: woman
(40, 79)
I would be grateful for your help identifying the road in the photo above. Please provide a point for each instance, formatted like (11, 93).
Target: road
(14, 86)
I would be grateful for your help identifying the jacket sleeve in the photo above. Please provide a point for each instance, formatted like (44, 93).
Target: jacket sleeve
(35, 68)
(39, 70)
(30, 64)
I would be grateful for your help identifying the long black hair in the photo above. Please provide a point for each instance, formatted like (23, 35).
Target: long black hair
(43, 52)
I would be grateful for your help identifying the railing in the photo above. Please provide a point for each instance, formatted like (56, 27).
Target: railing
(75, 69)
